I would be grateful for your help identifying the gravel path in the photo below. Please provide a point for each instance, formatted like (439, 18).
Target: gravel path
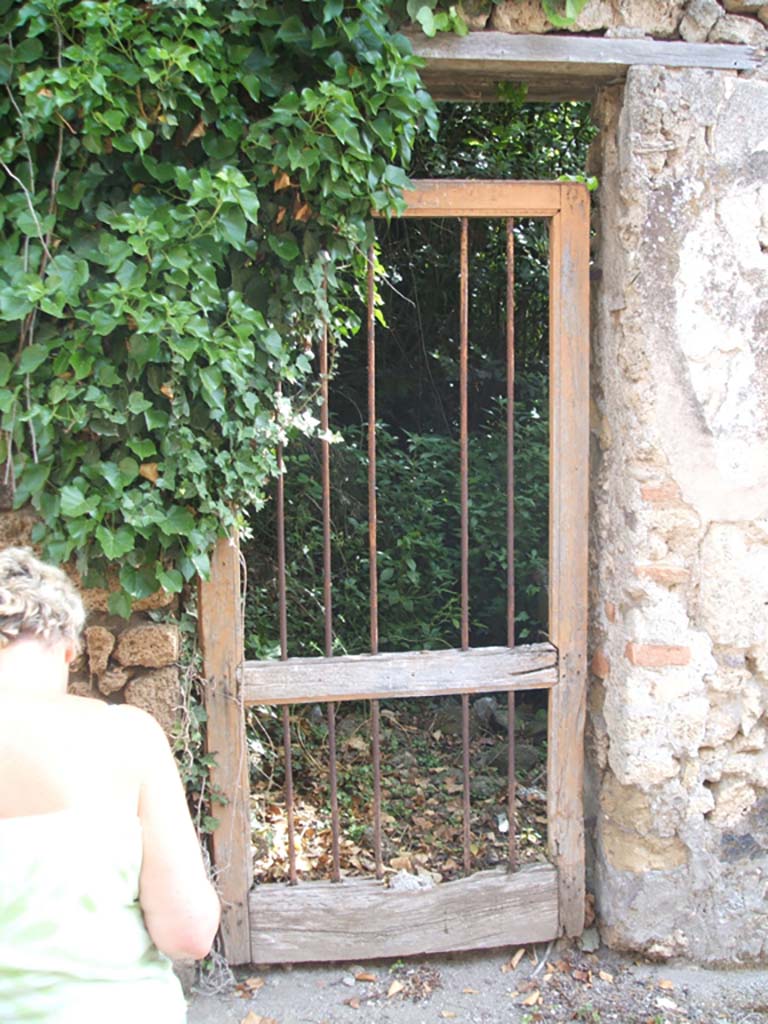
(534, 986)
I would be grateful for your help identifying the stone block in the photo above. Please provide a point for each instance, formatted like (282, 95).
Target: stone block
(112, 680)
(150, 645)
(601, 665)
(734, 797)
(733, 594)
(99, 643)
(80, 685)
(16, 528)
(518, 16)
(743, 6)
(699, 19)
(610, 611)
(732, 28)
(656, 655)
(476, 13)
(627, 835)
(158, 692)
(96, 599)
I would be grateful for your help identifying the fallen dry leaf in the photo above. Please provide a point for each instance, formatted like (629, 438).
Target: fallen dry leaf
(282, 181)
(470, 992)
(254, 984)
(401, 863)
(167, 390)
(394, 988)
(532, 999)
(149, 471)
(605, 976)
(512, 964)
(354, 1002)
(448, 1014)
(366, 976)
(255, 1018)
(665, 983)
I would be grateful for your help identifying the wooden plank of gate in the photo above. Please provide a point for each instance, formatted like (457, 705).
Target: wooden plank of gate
(460, 198)
(362, 919)
(222, 647)
(416, 674)
(569, 479)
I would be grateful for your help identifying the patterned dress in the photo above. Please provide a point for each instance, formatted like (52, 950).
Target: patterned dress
(73, 945)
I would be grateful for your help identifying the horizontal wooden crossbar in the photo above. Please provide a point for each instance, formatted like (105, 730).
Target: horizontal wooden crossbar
(381, 676)
(556, 67)
(362, 919)
(459, 198)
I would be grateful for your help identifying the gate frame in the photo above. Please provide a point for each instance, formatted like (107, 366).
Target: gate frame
(566, 206)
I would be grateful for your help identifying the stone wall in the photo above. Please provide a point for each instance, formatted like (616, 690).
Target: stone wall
(678, 733)
(695, 21)
(133, 661)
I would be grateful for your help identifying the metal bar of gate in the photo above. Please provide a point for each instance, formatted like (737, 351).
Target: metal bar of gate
(283, 618)
(464, 501)
(327, 596)
(510, 340)
(372, 564)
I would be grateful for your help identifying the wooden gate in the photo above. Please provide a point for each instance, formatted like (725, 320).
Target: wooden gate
(363, 918)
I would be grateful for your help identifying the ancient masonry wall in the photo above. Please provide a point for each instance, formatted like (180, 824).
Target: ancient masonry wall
(695, 21)
(678, 733)
(132, 661)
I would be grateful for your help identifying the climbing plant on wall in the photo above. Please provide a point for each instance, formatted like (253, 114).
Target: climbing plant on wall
(185, 190)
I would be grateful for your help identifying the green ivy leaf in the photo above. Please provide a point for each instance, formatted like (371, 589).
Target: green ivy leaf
(119, 603)
(115, 543)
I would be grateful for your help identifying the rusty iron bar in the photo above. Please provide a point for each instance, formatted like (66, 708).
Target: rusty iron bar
(510, 433)
(464, 453)
(289, 795)
(467, 808)
(327, 596)
(463, 427)
(334, 791)
(326, 481)
(511, 785)
(372, 561)
(283, 617)
(376, 760)
(372, 510)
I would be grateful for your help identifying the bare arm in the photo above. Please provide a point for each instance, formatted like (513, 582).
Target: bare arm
(180, 906)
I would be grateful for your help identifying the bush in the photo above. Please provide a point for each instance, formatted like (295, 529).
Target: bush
(418, 539)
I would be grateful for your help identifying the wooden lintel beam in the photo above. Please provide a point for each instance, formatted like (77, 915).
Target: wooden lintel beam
(384, 676)
(557, 67)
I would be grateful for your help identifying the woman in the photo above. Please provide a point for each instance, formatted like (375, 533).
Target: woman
(100, 869)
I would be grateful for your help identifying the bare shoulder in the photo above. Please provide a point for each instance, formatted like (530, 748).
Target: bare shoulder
(140, 727)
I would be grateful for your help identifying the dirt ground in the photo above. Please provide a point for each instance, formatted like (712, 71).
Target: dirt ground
(535, 985)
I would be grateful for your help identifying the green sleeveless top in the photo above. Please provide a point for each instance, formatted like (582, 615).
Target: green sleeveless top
(73, 945)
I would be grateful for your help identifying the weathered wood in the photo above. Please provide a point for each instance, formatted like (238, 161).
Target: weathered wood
(569, 479)
(432, 197)
(555, 67)
(362, 919)
(382, 676)
(222, 647)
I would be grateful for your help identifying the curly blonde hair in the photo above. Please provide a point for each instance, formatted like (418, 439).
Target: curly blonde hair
(37, 600)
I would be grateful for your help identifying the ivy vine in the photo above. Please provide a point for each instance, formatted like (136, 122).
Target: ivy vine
(185, 197)
(185, 193)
